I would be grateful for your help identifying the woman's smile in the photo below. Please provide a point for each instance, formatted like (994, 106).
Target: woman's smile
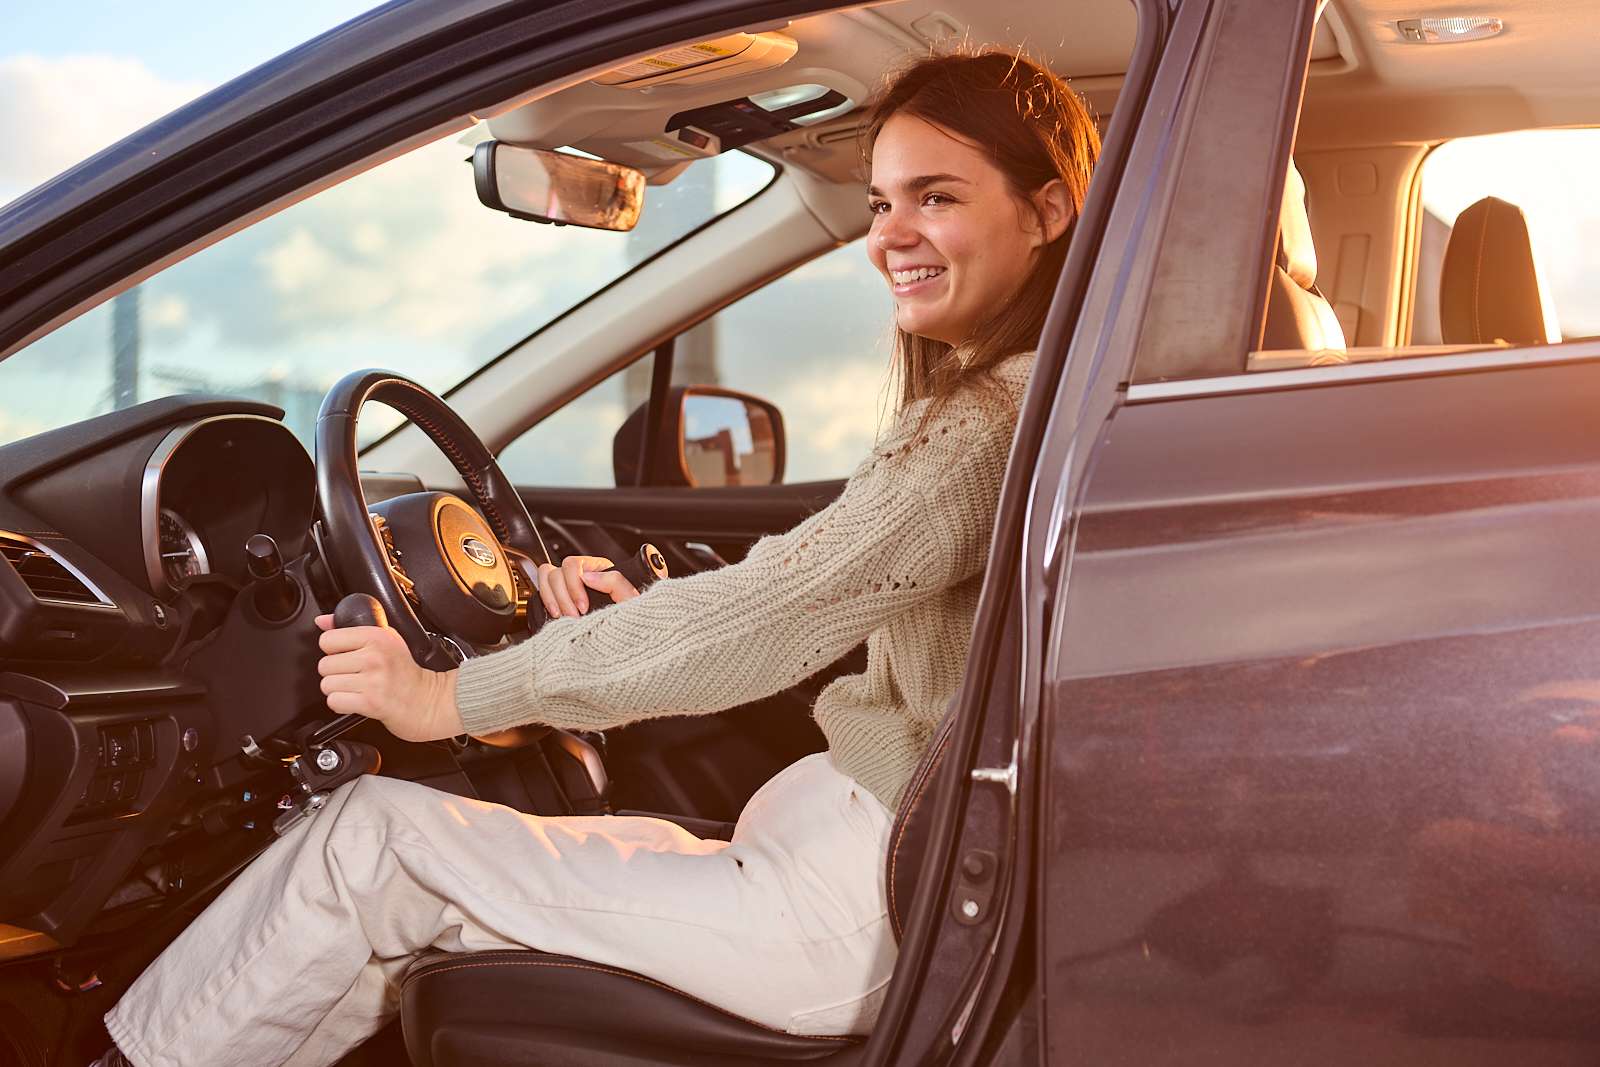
(909, 281)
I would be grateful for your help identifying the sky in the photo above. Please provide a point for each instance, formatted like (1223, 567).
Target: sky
(76, 77)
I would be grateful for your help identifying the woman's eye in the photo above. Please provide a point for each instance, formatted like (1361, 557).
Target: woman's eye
(935, 199)
(877, 207)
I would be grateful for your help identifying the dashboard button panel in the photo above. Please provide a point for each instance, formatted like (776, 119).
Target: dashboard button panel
(125, 749)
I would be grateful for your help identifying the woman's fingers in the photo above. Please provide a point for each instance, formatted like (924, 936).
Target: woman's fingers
(572, 570)
(350, 638)
(344, 663)
(553, 591)
(345, 683)
(562, 589)
(368, 670)
(612, 584)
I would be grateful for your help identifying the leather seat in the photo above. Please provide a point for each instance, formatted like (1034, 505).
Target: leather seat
(525, 1007)
(1489, 284)
(1298, 315)
(537, 1008)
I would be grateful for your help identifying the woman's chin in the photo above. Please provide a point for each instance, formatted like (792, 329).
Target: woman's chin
(926, 327)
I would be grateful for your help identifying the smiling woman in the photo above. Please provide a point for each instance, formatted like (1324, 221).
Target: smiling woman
(972, 210)
(400, 267)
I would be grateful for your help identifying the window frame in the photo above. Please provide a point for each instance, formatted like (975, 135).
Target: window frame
(1236, 126)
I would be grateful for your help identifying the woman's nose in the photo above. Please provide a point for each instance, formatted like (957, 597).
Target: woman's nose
(893, 232)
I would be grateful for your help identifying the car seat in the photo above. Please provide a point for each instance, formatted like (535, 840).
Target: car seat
(503, 1007)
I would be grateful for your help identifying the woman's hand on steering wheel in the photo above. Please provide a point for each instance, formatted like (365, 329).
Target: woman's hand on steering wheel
(565, 589)
(369, 670)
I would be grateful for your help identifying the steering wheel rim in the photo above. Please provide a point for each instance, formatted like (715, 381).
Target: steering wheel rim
(350, 544)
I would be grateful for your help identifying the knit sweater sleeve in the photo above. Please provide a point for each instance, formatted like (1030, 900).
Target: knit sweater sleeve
(914, 518)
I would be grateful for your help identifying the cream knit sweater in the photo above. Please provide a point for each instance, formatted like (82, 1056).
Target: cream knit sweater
(897, 560)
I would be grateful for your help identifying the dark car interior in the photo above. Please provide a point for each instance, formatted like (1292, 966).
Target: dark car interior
(160, 716)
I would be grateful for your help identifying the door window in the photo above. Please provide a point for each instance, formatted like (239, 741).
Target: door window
(816, 342)
(1548, 176)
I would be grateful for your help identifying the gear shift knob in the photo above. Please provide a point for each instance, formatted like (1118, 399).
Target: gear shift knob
(356, 609)
(359, 609)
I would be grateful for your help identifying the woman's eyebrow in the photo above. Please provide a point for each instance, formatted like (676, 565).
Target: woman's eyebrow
(922, 181)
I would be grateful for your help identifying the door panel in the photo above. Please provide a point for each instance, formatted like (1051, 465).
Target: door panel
(708, 765)
(1325, 777)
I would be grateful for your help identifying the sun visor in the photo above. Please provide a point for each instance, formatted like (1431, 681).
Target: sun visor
(733, 56)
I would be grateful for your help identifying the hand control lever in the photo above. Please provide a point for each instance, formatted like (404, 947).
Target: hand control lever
(642, 569)
(324, 763)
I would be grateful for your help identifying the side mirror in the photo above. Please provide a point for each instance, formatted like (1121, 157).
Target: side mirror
(556, 187)
(708, 437)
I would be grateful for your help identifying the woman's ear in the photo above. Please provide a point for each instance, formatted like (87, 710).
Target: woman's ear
(1054, 206)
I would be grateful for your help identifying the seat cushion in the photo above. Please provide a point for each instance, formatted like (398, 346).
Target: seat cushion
(520, 1007)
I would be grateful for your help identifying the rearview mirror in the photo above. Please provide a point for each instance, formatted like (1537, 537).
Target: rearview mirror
(556, 187)
(707, 437)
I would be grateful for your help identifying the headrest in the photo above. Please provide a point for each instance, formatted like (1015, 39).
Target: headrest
(1489, 286)
(1299, 254)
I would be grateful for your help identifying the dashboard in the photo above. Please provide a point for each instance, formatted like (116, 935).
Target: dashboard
(130, 663)
(211, 483)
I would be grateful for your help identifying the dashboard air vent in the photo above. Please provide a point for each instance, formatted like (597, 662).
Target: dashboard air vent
(44, 575)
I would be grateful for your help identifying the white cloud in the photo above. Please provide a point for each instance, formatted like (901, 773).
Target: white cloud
(14, 427)
(168, 312)
(833, 418)
(59, 111)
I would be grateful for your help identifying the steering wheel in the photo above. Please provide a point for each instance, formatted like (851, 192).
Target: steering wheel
(425, 555)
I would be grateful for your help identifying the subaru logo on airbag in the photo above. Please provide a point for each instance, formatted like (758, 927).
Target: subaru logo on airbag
(480, 553)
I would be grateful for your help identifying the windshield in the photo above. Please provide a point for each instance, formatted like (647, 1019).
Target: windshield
(399, 267)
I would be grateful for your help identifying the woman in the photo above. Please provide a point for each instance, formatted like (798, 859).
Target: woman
(979, 166)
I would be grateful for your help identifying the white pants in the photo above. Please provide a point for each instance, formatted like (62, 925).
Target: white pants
(298, 961)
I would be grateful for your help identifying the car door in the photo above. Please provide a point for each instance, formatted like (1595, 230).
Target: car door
(1319, 721)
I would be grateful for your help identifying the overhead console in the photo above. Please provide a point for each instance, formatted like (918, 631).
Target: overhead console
(660, 113)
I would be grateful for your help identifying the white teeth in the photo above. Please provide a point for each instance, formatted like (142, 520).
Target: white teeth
(906, 277)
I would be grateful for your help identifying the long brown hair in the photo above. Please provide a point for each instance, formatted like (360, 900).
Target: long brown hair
(1035, 129)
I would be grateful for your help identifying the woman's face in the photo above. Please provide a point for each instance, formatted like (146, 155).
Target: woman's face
(948, 235)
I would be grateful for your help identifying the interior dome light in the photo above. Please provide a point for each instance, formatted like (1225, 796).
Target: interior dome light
(777, 99)
(1448, 30)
